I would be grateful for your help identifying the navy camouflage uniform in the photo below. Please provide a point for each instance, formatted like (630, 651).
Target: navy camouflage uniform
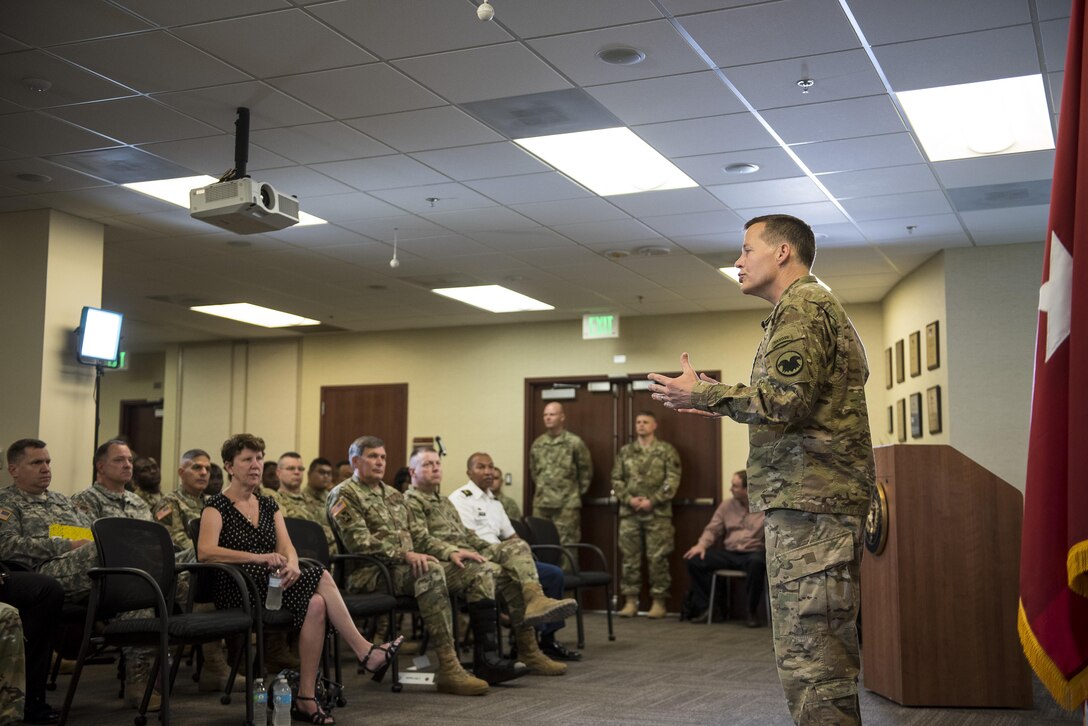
(811, 469)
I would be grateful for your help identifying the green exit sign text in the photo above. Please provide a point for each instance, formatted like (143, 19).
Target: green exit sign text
(600, 326)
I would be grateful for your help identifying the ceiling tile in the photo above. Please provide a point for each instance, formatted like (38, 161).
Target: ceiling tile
(670, 201)
(620, 230)
(676, 97)
(169, 12)
(1002, 169)
(706, 135)
(571, 211)
(428, 128)
(915, 203)
(774, 191)
(888, 21)
(302, 44)
(837, 76)
(687, 225)
(302, 182)
(708, 170)
(381, 228)
(869, 152)
(1055, 34)
(314, 143)
(484, 219)
(815, 213)
(940, 226)
(60, 178)
(1008, 226)
(387, 91)
(351, 206)
(868, 116)
(869, 182)
(546, 187)
(531, 20)
(455, 75)
(446, 197)
(133, 120)
(383, 172)
(177, 65)
(481, 162)
(64, 21)
(219, 106)
(70, 84)
(37, 134)
(213, 155)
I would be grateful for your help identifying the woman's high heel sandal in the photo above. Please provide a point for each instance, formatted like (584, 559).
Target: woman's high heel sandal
(390, 654)
(318, 716)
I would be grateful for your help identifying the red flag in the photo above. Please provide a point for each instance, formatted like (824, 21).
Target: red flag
(1053, 619)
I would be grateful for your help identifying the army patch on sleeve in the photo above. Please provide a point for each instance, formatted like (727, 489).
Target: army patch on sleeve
(164, 512)
(337, 508)
(5, 514)
(789, 364)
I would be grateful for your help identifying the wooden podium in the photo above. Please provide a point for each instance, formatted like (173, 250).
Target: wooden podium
(939, 604)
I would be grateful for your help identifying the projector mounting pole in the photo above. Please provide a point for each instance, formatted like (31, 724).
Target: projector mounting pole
(241, 142)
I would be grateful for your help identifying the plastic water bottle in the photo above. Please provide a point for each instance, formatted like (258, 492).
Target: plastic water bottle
(260, 702)
(281, 702)
(274, 598)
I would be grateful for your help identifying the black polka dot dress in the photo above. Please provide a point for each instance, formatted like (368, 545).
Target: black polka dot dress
(238, 533)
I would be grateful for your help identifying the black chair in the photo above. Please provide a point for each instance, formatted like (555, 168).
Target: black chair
(545, 543)
(310, 543)
(137, 572)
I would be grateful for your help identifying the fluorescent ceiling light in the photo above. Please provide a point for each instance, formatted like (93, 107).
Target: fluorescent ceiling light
(1006, 116)
(176, 191)
(494, 298)
(608, 161)
(254, 315)
(733, 273)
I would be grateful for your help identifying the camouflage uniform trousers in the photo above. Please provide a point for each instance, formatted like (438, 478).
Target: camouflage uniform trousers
(433, 589)
(568, 521)
(814, 566)
(658, 533)
(512, 565)
(12, 666)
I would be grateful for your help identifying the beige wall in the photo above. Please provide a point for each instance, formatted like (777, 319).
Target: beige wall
(142, 380)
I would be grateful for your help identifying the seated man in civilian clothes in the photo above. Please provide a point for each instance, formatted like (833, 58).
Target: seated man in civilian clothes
(511, 563)
(371, 517)
(147, 481)
(732, 541)
(482, 514)
(51, 534)
(308, 502)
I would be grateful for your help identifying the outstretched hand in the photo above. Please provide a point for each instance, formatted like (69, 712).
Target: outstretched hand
(675, 393)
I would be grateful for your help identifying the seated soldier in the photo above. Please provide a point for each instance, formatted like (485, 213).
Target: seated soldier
(308, 502)
(513, 511)
(482, 514)
(732, 540)
(370, 517)
(511, 563)
(35, 602)
(147, 481)
(46, 532)
(174, 512)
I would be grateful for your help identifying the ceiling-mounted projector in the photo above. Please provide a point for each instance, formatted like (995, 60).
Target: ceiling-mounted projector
(243, 206)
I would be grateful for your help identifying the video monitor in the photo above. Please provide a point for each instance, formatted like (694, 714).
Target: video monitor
(99, 336)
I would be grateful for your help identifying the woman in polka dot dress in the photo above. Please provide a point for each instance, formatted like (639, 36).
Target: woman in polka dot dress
(240, 527)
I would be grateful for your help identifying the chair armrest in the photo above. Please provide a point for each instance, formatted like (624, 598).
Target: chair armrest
(235, 574)
(379, 562)
(592, 548)
(566, 554)
(96, 574)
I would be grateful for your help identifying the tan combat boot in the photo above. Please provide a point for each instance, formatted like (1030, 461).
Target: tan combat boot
(213, 675)
(278, 653)
(134, 693)
(452, 678)
(529, 654)
(657, 610)
(540, 609)
(630, 606)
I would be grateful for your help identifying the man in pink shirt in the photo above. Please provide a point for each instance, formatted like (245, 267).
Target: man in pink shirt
(733, 540)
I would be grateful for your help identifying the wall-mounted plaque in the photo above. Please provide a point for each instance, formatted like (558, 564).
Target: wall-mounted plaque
(916, 415)
(889, 371)
(933, 346)
(900, 370)
(901, 411)
(891, 420)
(915, 354)
(933, 409)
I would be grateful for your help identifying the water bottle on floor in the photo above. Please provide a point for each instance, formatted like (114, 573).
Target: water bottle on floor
(260, 702)
(274, 598)
(281, 702)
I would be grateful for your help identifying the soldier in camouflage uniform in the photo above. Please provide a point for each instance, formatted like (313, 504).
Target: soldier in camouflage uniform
(562, 470)
(510, 562)
(147, 481)
(174, 512)
(309, 502)
(810, 465)
(12, 667)
(371, 518)
(645, 477)
(38, 599)
(513, 511)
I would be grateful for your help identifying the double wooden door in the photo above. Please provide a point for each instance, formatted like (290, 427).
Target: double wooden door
(602, 412)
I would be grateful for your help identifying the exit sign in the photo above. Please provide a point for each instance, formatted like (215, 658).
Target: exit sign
(600, 326)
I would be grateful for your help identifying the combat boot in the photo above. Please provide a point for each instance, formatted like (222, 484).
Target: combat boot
(134, 694)
(215, 671)
(657, 610)
(630, 606)
(278, 654)
(540, 609)
(486, 663)
(452, 678)
(529, 654)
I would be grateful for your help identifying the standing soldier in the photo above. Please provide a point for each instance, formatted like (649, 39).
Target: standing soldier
(561, 468)
(810, 463)
(645, 478)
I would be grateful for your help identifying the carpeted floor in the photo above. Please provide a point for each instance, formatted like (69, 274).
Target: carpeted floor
(655, 673)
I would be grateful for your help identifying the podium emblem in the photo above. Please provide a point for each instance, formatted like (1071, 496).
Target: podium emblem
(876, 523)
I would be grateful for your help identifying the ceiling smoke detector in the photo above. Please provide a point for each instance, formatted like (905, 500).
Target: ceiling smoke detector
(616, 254)
(621, 56)
(741, 168)
(653, 251)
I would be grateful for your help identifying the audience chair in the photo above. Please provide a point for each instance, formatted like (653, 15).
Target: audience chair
(310, 543)
(545, 541)
(729, 574)
(137, 572)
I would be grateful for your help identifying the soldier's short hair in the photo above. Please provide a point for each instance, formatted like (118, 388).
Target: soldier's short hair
(17, 450)
(363, 443)
(238, 443)
(344, 462)
(791, 230)
(103, 450)
(468, 464)
(319, 461)
(289, 455)
(417, 454)
(192, 454)
(743, 477)
(651, 414)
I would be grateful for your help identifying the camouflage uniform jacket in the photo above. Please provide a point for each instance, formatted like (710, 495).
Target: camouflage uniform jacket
(652, 472)
(443, 523)
(561, 469)
(97, 502)
(174, 512)
(513, 511)
(308, 504)
(809, 443)
(24, 525)
(152, 499)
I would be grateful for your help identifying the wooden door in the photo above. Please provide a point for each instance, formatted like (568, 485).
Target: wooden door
(348, 412)
(141, 425)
